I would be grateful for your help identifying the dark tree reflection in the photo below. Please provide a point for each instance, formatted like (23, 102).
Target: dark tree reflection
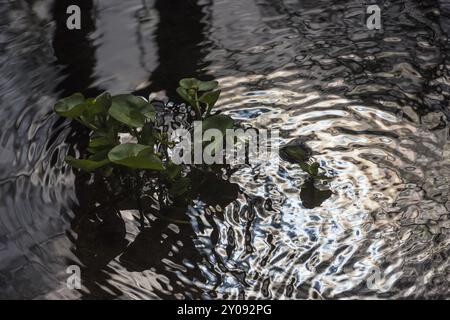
(73, 48)
(164, 243)
(180, 37)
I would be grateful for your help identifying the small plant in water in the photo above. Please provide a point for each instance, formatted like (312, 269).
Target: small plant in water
(108, 116)
(147, 148)
(312, 196)
(201, 95)
(313, 171)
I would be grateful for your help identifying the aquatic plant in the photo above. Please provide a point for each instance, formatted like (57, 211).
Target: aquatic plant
(299, 153)
(108, 116)
(201, 95)
(147, 148)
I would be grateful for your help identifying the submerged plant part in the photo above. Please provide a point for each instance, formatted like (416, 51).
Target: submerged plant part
(313, 170)
(299, 153)
(312, 194)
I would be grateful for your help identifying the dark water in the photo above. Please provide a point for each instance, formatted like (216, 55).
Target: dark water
(372, 105)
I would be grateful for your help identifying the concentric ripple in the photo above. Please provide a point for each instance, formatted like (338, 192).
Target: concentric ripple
(387, 199)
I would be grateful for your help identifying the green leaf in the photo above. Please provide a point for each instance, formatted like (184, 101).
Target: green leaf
(149, 111)
(306, 167)
(101, 142)
(113, 126)
(95, 150)
(101, 153)
(87, 165)
(88, 117)
(210, 98)
(135, 156)
(131, 110)
(218, 121)
(295, 153)
(183, 93)
(127, 115)
(190, 83)
(101, 104)
(314, 169)
(71, 107)
(208, 85)
(180, 187)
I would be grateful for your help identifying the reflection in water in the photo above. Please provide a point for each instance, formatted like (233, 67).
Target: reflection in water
(370, 107)
(125, 44)
(181, 45)
(160, 243)
(73, 49)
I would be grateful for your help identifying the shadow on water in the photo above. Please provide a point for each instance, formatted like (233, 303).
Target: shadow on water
(74, 49)
(162, 231)
(181, 41)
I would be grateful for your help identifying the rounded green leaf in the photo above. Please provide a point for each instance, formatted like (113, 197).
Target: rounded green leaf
(125, 109)
(190, 83)
(87, 165)
(183, 93)
(210, 98)
(208, 85)
(100, 154)
(131, 110)
(147, 136)
(71, 107)
(313, 197)
(101, 104)
(295, 153)
(135, 156)
(148, 111)
(101, 142)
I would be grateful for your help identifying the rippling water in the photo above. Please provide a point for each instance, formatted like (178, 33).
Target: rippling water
(372, 105)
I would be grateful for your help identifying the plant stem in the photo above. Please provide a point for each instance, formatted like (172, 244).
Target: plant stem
(198, 110)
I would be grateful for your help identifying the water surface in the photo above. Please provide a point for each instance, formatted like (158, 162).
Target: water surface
(372, 105)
